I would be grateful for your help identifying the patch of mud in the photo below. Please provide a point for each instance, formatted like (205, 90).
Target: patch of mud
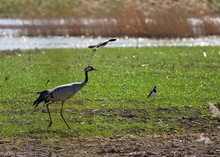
(154, 146)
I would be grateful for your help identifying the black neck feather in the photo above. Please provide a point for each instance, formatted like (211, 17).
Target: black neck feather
(86, 76)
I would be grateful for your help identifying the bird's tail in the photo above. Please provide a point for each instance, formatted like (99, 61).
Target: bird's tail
(42, 97)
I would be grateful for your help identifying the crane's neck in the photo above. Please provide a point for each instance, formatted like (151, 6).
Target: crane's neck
(86, 78)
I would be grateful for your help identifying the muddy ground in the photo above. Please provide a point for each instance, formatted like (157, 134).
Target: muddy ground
(203, 142)
(187, 145)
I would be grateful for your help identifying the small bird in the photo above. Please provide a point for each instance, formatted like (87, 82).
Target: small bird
(95, 47)
(153, 92)
(61, 94)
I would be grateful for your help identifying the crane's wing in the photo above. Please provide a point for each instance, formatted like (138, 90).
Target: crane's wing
(42, 97)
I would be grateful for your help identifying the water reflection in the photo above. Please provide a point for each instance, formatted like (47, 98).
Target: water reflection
(41, 22)
(11, 29)
(17, 27)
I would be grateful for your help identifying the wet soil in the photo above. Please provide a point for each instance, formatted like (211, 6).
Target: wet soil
(204, 142)
(201, 140)
(192, 145)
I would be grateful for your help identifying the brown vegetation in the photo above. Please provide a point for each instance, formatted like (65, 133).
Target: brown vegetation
(162, 18)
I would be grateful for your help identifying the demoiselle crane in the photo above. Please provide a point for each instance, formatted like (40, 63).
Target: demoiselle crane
(61, 94)
(102, 44)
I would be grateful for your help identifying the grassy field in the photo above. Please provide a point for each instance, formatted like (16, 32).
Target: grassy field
(114, 102)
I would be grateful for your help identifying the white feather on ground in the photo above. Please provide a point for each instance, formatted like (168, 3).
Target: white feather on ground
(214, 110)
(204, 139)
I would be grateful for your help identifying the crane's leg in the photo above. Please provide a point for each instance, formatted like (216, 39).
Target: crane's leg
(49, 114)
(61, 113)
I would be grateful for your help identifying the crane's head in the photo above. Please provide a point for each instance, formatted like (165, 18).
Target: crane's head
(89, 68)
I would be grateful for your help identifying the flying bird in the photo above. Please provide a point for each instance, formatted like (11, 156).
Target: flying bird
(95, 47)
(61, 94)
(153, 92)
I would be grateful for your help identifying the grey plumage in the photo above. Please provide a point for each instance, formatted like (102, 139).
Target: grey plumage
(95, 47)
(61, 93)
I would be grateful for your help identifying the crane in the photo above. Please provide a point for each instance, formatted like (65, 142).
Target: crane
(61, 94)
(102, 44)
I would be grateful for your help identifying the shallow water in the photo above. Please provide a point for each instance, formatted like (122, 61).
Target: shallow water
(10, 38)
(16, 26)
(10, 43)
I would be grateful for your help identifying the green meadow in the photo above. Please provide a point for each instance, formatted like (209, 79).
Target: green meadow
(114, 102)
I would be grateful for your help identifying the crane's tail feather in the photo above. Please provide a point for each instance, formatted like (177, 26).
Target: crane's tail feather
(42, 97)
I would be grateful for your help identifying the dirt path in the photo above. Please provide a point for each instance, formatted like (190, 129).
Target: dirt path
(193, 145)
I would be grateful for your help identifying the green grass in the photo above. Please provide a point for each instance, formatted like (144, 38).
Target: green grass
(114, 100)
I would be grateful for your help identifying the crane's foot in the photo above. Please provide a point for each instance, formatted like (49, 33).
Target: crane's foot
(49, 124)
(69, 127)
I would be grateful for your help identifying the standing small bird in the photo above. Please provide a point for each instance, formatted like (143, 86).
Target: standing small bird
(153, 92)
(95, 47)
(61, 93)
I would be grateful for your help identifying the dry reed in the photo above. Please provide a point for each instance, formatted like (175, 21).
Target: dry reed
(124, 21)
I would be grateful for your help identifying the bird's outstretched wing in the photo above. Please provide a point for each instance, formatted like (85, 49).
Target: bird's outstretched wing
(91, 46)
(42, 97)
(101, 44)
(112, 40)
(105, 43)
